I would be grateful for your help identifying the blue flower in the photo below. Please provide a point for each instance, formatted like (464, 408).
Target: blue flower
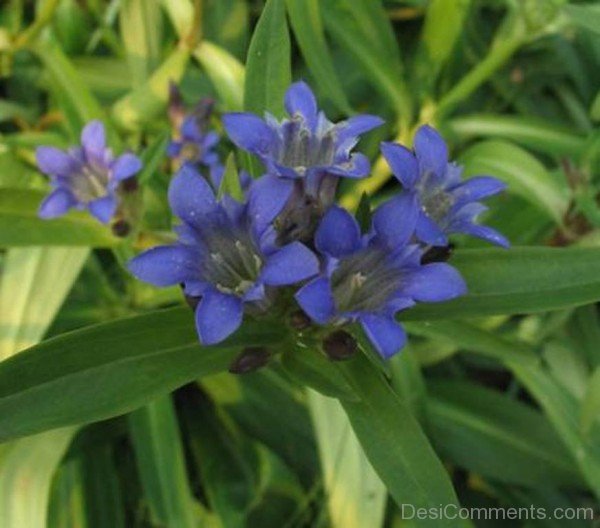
(307, 153)
(225, 254)
(446, 203)
(193, 141)
(369, 278)
(85, 177)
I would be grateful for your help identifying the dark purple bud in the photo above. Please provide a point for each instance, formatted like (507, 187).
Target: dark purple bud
(121, 228)
(251, 359)
(340, 345)
(299, 320)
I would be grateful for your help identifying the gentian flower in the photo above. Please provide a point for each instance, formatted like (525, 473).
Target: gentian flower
(369, 278)
(304, 156)
(447, 204)
(85, 177)
(225, 254)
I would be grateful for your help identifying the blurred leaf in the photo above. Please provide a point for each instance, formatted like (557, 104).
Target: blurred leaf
(442, 28)
(567, 367)
(356, 496)
(268, 69)
(140, 22)
(230, 184)
(144, 103)
(181, 14)
(523, 173)
(585, 16)
(225, 22)
(161, 464)
(531, 132)
(21, 226)
(395, 444)
(520, 280)
(225, 72)
(305, 19)
(153, 156)
(495, 436)
(590, 407)
(126, 363)
(26, 470)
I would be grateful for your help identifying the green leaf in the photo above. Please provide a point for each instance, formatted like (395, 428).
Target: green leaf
(230, 184)
(153, 156)
(140, 23)
(268, 67)
(156, 438)
(146, 102)
(305, 18)
(112, 368)
(225, 72)
(531, 132)
(584, 16)
(495, 436)
(523, 173)
(395, 443)
(519, 280)
(181, 14)
(356, 496)
(590, 407)
(21, 226)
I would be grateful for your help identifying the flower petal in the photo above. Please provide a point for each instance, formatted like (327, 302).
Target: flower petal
(429, 232)
(431, 151)
(477, 188)
(93, 139)
(358, 166)
(402, 162)
(103, 208)
(290, 264)
(191, 196)
(387, 336)
(125, 167)
(485, 233)
(57, 203)
(434, 283)
(217, 316)
(165, 265)
(394, 221)
(316, 299)
(249, 132)
(299, 99)
(267, 197)
(357, 125)
(338, 233)
(55, 162)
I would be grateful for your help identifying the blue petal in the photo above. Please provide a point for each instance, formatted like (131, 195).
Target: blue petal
(267, 197)
(394, 221)
(357, 125)
(434, 283)
(55, 162)
(358, 166)
(290, 264)
(249, 132)
(57, 203)
(402, 162)
(387, 336)
(477, 188)
(485, 233)
(299, 99)
(431, 151)
(125, 167)
(429, 232)
(316, 299)
(93, 139)
(217, 316)
(165, 265)
(191, 196)
(103, 208)
(338, 234)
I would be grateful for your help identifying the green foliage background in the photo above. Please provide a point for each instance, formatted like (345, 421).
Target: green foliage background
(496, 401)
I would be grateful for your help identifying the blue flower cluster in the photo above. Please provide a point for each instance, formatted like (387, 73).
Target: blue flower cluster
(286, 242)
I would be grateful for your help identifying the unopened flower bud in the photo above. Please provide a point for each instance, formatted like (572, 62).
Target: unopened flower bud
(340, 345)
(251, 359)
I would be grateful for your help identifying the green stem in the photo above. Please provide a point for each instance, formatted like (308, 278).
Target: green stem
(42, 19)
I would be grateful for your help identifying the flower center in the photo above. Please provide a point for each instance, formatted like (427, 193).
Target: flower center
(90, 183)
(435, 201)
(301, 149)
(232, 264)
(364, 282)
